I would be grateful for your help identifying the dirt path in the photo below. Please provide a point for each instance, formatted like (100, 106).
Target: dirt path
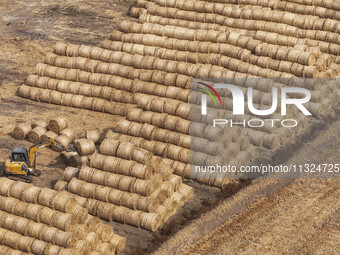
(273, 216)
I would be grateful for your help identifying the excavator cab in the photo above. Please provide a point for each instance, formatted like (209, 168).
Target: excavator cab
(18, 164)
(20, 154)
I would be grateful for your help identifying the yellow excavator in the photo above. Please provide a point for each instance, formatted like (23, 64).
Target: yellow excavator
(22, 162)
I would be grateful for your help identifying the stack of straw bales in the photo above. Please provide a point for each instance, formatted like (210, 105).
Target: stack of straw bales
(125, 183)
(56, 128)
(44, 221)
(148, 66)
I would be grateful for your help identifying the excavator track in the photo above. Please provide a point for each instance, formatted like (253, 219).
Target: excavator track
(23, 178)
(26, 179)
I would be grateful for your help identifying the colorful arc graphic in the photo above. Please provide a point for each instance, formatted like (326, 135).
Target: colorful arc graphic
(212, 89)
(208, 92)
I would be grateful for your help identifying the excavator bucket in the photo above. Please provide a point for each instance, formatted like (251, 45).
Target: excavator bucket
(61, 146)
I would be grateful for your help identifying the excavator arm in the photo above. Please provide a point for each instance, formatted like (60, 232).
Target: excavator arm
(44, 143)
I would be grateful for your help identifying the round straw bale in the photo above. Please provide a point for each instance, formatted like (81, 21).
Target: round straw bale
(176, 181)
(125, 150)
(150, 221)
(60, 48)
(97, 161)
(31, 194)
(130, 200)
(76, 161)
(77, 101)
(272, 141)
(60, 185)
(146, 117)
(81, 213)
(64, 140)
(126, 183)
(10, 239)
(24, 243)
(93, 134)
(17, 189)
(64, 202)
(24, 91)
(160, 195)
(134, 114)
(99, 105)
(86, 173)
(119, 214)
(83, 246)
(40, 123)
(49, 134)
(87, 103)
(115, 196)
(93, 239)
(48, 234)
(35, 134)
(99, 177)
(141, 171)
(5, 186)
(104, 211)
(186, 190)
(7, 204)
(32, 79)
(75, 186)
(85, 147)
(122, 166)
(88, 190)
(45, 96)
(52, 249)
(111, 164)
(118, 242)
(134, 217)
(68, 132)
(102, 193)
(34, 229)
(35, 94)
(140, 155)
(38, 247)
(143, 187)
(106, 249)
(69, 173)
(20, 208)
(46, 196)
(33, 212)
(21, 131)
(55, 98)
(57, 124)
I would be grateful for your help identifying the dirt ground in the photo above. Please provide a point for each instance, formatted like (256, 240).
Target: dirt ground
(29, 29)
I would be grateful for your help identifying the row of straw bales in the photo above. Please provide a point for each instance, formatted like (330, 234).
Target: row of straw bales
(44, 221)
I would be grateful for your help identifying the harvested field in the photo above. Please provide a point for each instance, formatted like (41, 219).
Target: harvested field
(273, 216)
(122, 87)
